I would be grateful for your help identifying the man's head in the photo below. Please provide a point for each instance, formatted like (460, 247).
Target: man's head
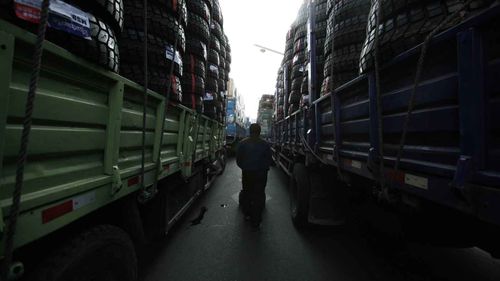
(255, 130)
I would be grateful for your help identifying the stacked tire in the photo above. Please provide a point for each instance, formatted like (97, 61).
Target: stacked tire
(215, 86)
(346, 31)
(282, 89)
(225, 68)
(279, 96)
(321, 27)
(300, 60)
(194, 80)
(405, 24)
(166, 45)
(105, 18)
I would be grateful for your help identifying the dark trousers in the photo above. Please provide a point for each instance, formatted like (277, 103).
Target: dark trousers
(253, 196)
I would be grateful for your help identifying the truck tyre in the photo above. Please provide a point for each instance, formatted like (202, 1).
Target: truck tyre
(405, 26)
(193, 64)
(300, 32)
(102, 253)
(102, 48)
(196, 47)
(213, 57)
(199, 27)
(216, 29)
(212, 85)
(215, 44)
(300, 192)
(132, 51)
(347, 24)
(160, 22)
(216, 12)
(110, 11)
(157, 79)
(199, 7)
(321, 11)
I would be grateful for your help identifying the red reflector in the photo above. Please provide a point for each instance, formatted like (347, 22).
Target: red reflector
(398, 176)
(133, 181)
(57, 211)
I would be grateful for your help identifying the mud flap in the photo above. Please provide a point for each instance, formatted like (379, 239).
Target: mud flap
(328, 203)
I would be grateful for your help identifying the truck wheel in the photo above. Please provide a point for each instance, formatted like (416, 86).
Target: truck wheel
(300, 191)
(102, 253)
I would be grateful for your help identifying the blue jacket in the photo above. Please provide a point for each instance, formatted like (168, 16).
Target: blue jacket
(254, 154)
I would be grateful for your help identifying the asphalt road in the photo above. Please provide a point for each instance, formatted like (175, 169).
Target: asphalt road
(226, 248)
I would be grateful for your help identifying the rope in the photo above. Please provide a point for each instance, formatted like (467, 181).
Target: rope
(23, 151)
(380, 120)
(145, 98)
(167, 98)
(308, 147)
(420, 66)
(332, 69)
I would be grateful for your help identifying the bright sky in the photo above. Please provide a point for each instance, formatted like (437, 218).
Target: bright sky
(262, 22)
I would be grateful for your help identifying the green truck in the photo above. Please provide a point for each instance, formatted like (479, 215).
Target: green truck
(87, 206)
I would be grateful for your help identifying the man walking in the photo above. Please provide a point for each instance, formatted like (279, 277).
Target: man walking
(254, 158)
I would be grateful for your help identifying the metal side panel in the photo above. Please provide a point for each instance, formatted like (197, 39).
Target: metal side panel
(86, 140)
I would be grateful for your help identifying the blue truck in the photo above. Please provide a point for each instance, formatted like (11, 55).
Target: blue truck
(234, 129)
(443, 184)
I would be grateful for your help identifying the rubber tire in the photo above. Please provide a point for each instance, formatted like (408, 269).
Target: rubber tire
(157, 79)
(160, 22)
(294, 97)
(197, 47)
(321, 11)
(297, 71)
(216, 30)
(217, 12)
(296, 83)
(407, 26)
(215, 44)
(199, 27)
(213, 57)
(347, 24)
(87, 255)
(300, 193)
(304, 87)
(193, 101)
(222, 74)
(111, 11)
(193, 64)
(212, 85)
(222, 64)
(199, 7)
(132, 47)
(193, 84)
(101, 49)
(213, 71)
(300, 32)
(221, 84)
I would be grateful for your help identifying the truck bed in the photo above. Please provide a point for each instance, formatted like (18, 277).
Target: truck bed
(453, 140)
(86, 141)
